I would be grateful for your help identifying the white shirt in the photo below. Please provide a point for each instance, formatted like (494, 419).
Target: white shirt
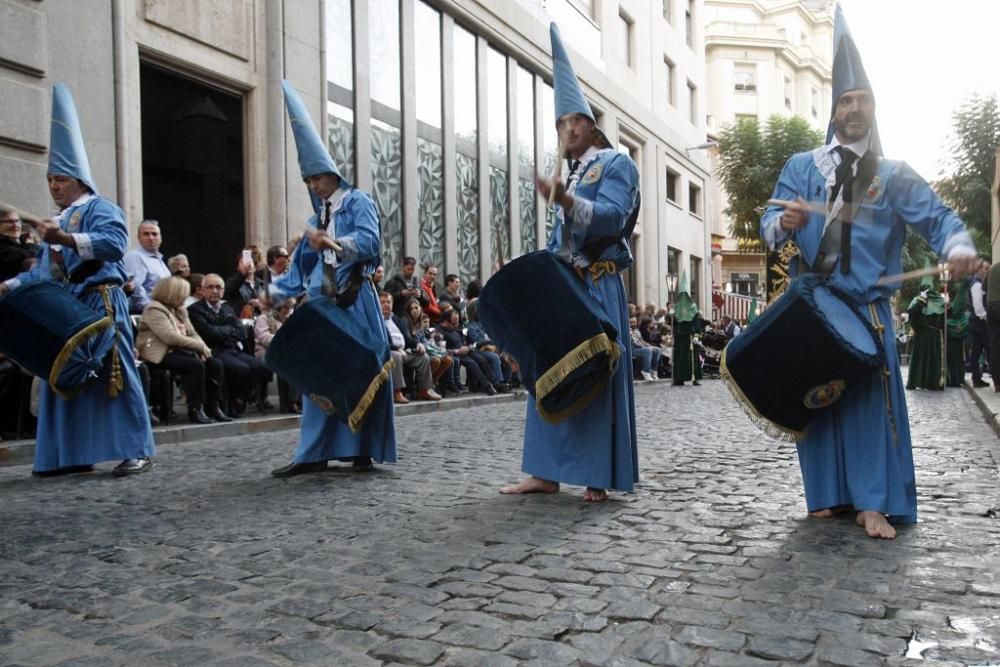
(395, 335)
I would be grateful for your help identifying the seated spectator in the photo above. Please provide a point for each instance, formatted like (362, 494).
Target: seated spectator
(179, 266)
(650, 331)
(472, 290)
(440, 361)
(264, 328)
(452, 296)
(477, 367)
(404, 285)
(277, 263)
(407, 353)
(642, 350)
(478, 337)
(244, 287)
(730, 327)
(195, 281)
(15, 256)
(377, 277)
(633, 310)
(144, 266)
(167, 340)
(428, 286)
(217, 324)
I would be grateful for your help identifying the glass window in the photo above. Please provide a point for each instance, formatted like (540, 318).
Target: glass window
(689, 24)
(668, 68)
(466, 164)
(339, 40)
(696, 280)
(550, 140)
(383, 41)
(526, 159)
(496, 100)
(693, 103)
(694, 199)
(673, 178)
(745, 79)
(427, 26)
(430, 156)
(625, 39)
(340, 138)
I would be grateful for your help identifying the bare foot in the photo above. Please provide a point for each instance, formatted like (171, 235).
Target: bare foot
(830, 512)
(594, 495)
(876, 525)
(531, 485)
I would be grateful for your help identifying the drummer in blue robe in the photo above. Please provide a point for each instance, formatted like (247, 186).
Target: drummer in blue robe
(594, 203)
(346, 217)
(856, 456)
(109, 419)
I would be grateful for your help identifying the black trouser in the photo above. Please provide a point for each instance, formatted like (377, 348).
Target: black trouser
(242, 372)
(477, 373)
(978, 343)
(993, 333)
(202, 379)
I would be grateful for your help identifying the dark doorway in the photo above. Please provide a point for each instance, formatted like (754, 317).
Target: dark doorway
(192, 168)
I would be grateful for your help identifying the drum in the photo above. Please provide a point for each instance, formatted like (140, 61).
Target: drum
(537, 309)
(54, 336)
(328, 355)
(799, 356)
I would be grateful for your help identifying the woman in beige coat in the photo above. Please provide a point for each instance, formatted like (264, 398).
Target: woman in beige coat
(167, 340)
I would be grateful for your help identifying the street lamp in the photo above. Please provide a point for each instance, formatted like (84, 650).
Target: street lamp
(711, 143)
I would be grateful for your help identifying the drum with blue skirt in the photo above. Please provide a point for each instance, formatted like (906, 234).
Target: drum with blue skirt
(336, 361)
(54, 336)
(799, 356)
(537, 309)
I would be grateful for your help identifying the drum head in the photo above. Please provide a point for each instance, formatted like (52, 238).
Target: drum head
(844, 321)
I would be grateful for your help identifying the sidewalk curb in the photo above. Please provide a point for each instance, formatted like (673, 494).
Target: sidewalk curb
(22, 452)
(988, 414)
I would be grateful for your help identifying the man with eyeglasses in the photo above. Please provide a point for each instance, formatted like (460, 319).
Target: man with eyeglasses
(14, 256)
(277, 263)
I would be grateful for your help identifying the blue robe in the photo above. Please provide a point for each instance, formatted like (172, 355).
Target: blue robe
(858, 452)
(322, 438)
(597, 447)
(92, 427)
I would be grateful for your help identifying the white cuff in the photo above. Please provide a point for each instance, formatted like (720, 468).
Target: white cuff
(12, 284)
(84, 246)
(958, 245)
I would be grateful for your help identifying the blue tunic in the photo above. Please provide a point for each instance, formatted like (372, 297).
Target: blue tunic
(322, 438)
(93, 427)
(597, 447)
(858, 452)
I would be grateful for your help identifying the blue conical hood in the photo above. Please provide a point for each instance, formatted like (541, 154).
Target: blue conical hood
(67, 155)
(314, 158)
(848, 74)
(568, 94)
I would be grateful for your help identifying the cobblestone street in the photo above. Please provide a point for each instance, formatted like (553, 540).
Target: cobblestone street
(209, 561)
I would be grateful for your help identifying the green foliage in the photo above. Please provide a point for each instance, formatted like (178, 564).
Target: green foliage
(750, 160)
(976, 137)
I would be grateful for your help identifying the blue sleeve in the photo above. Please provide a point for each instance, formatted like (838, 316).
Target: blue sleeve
(361, 244)
(607, 213)
(106, 231)
(913, 200)
(787, 188)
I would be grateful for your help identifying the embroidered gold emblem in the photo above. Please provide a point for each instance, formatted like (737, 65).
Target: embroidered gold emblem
(823, 395)
(593, 174)
(74, 220)
(324, 403)
(874, 191)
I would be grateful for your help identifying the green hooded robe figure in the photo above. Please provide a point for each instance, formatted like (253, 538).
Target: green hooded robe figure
(957, 328)
(926, 313)
(687, 322)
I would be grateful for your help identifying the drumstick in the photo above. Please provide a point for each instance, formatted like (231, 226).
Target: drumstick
(32, 220)
(329, 239)
(556, 174)
(813, 206)
(916, 273)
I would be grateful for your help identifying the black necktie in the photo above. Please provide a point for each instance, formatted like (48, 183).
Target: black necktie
(329, 272)
(845, 182)
(573, 166)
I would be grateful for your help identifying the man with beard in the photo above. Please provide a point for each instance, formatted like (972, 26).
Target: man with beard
(856, 456)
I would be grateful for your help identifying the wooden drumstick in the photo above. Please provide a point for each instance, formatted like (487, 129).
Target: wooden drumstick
(916, 273)
(32, 220)
(556, 175)
(310, 233)
(813, 206)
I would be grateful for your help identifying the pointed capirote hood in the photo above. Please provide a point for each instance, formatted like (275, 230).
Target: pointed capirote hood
(67, 155)
(314, 157)
(849, 74)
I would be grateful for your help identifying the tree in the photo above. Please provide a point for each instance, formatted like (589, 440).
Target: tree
(750, 161)
(976, 136)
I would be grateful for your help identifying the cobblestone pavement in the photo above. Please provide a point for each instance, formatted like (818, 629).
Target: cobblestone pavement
(209, 561)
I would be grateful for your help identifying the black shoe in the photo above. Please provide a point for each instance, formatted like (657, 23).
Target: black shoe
(979, 383)
(696, 383)
(154, 420)
(362, 464)
(198, 416)
(70, 470)
(490, 390)
(132, 467)
(265, 405)
(504, 387)
(216, 414)
(293, 469)
(238, 408)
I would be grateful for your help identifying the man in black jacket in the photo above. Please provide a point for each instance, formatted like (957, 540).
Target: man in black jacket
(405, 285)
(217, 324)
(15, 257)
